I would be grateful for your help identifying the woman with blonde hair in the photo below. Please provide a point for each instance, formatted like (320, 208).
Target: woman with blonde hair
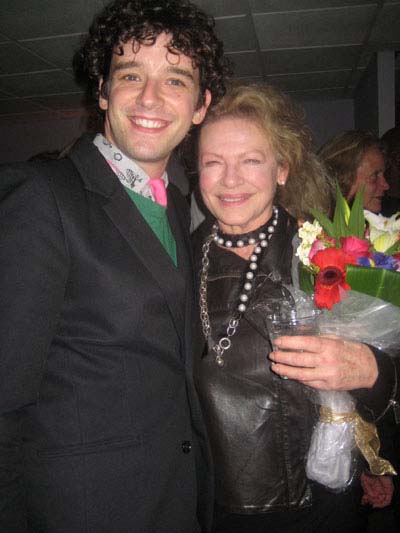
(258, 175)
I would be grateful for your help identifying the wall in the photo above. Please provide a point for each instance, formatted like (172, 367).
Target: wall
(21, 139)
(374, 100)
(328, 118)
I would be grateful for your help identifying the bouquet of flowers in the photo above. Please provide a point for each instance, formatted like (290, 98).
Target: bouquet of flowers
(352, 266)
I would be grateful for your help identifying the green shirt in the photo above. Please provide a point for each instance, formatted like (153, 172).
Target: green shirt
(156, 217)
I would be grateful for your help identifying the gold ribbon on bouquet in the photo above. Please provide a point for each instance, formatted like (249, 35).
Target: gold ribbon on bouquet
(366, 437)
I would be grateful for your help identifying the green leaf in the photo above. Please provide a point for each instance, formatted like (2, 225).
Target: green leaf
(340, 216)
(378, 282)
(324, 221)
(357, 220)
(394, 249)
(306, 279)
(346, 222)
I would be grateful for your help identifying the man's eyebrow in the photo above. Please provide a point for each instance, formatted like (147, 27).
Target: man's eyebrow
(181, 72)
(125, 64)
(172, 69)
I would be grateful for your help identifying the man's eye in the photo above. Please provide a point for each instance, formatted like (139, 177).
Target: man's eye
(176, 82)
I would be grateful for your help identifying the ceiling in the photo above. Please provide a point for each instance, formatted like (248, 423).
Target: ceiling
(314, 49)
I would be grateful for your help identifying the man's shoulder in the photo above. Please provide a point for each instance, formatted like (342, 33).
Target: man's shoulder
(32, 174)
(60, 172)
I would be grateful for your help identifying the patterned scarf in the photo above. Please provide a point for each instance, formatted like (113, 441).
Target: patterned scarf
(128, 172)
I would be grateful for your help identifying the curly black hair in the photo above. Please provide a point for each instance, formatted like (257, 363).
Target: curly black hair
(191, 30)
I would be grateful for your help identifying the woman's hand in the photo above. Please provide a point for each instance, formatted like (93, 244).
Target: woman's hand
(378, 490)
(326, 362)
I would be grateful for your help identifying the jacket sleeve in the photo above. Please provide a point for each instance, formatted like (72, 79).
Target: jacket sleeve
(33, 269)
(385, 392)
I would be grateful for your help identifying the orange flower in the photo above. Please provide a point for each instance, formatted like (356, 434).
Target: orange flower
(330, 283)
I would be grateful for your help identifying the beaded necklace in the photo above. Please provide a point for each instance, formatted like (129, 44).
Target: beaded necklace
(260, 238)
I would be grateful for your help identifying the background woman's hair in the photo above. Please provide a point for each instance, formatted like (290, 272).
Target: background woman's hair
(342, 155)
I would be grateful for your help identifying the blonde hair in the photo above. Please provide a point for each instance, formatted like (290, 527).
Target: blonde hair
(283, 123)
(342, 156)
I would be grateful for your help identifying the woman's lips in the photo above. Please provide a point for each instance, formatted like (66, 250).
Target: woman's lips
(233, 200)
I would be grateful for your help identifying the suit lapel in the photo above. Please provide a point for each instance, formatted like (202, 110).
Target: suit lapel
(134, 229)
(179, 219)
(176, 217)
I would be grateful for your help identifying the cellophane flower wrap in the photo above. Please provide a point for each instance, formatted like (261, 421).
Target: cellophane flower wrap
(351, 264)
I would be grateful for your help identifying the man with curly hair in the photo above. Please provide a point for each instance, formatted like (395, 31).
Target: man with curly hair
(100, 427)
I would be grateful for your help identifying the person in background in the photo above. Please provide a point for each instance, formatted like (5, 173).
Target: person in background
(355, 159)
(391, 205)
(391, 200)
(100, 425)
(258, 177)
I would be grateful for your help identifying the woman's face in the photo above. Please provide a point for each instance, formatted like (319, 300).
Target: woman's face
(370, 173)
(238, 174)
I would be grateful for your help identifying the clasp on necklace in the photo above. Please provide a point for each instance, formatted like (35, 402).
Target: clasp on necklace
(232, 325)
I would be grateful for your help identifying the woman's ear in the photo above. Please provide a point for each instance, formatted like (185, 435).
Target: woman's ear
(283, 172)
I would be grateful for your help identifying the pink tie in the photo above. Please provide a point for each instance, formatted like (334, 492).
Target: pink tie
(157, 187)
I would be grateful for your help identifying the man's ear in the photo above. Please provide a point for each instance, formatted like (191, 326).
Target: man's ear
(200, 113)
(103, 100)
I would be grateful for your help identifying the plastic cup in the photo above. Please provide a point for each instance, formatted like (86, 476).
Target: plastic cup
(281, 323)
(293, 323)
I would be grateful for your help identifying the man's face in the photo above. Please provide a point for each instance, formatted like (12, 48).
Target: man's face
(151, 104)
(370, 174)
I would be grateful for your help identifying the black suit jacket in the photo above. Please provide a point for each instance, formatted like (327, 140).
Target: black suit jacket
(100, 427)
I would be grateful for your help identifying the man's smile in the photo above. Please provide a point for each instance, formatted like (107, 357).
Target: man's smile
(151, 124)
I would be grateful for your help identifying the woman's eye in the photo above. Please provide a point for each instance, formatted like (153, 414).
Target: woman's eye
(252, 161)
(210, 163)
(131, 77)
(374, 178)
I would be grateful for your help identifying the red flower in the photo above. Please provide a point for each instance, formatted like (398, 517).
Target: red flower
(316, 246)
(330, 282)
(355, 247)
(397, 258)
(320, 244)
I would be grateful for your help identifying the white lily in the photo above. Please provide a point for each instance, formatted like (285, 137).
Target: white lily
(384, 231)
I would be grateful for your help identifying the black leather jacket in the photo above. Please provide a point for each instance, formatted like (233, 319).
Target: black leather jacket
(259, 424)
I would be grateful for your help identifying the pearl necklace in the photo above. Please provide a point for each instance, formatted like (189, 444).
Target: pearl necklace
(245, 239)
(249, 280)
